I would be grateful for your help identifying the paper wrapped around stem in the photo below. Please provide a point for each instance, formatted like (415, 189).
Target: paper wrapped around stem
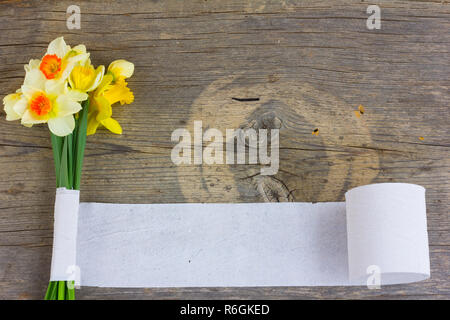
(379, 231)
(65, 234)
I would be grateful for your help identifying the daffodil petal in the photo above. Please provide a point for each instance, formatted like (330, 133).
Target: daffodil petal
(112, 125)
(58, 47)
(105, 84)
(66, 106)
(100, 71)
(72, 62)
(103, 108)
(33, 64)
(35, 78)
(9, 102)
(81, 48)
(62, 126)
(28, 118)
(121, 68)
(92, 124)
(77, 95)
(21, 106)
(29, 91)
(55, 87)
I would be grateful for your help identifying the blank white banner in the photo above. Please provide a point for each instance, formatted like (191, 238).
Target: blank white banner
(380, 227)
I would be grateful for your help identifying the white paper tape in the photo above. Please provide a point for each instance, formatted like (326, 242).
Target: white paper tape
(382, 237)
(65, 234)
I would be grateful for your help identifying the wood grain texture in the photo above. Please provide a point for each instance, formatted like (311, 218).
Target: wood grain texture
(310, 63)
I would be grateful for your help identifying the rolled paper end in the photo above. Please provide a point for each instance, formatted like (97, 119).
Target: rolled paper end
(63, 266)
(387, 234)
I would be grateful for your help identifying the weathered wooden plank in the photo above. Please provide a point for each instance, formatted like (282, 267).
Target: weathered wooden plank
(310, 64)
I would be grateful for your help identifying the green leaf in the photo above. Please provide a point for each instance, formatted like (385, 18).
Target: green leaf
(70, 160)
(57, 148)
(80, 144)
(51, 291)
(71, 292)
(74, 148)
(61, 290)
(63, 173)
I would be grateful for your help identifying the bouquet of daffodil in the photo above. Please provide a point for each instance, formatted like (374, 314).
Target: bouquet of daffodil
(64, 90)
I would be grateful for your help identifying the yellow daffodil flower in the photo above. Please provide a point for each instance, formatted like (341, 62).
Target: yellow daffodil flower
(112, 89)
(85, 78)
(121, 69)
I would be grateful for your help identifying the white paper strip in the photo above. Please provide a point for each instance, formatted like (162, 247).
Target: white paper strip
(65, 233)
(258, 244)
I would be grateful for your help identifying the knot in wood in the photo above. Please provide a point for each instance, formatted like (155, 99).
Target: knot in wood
(272, 189)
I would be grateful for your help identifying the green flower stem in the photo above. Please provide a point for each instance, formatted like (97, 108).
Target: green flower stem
(80, 144)
(61, 289)
(71, 292)
(68, 153)
(51, 291)
(56, 146)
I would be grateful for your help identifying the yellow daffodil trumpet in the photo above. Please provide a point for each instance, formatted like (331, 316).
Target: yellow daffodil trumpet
(86, 78)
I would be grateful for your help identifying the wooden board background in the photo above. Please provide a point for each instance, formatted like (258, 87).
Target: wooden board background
(310, 63)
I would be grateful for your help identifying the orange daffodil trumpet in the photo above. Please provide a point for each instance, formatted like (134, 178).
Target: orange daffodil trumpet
(64, 90)
(55, 86)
